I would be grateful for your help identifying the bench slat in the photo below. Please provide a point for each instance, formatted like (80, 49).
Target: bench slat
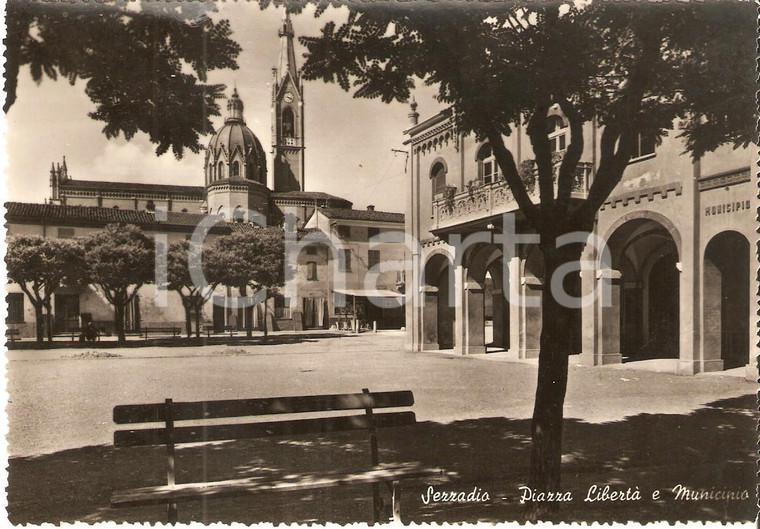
(223, 432)
(215, 409)
(253, 485)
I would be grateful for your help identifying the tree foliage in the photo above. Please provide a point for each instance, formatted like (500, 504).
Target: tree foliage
(254, 259)
(39, 266)
(120, 259)
(144, 70)
(180, 279)
(633, 68)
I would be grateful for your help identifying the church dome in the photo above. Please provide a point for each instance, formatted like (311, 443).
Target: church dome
(235, 152)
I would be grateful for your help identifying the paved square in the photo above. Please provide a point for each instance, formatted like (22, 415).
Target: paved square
(626, 427)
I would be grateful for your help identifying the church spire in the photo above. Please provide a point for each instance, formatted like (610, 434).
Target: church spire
(287, 116)
(287, 52)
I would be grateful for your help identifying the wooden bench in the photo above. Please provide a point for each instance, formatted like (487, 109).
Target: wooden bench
(12, 334)
(161, 330)
(170, 435)
(76, 333)
(210, 329)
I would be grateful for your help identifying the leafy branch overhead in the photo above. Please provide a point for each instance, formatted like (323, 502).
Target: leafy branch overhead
(144, 70)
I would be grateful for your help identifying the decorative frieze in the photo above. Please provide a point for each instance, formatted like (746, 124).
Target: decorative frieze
(435, 137)
(129, 195)
(432, 242)
(729, 178)
(648, 193)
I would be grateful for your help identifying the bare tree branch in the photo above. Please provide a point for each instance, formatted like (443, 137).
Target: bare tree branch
(573, 154)
(509, 169)
(537, 132)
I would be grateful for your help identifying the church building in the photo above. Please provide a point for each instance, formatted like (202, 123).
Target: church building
(341, 261)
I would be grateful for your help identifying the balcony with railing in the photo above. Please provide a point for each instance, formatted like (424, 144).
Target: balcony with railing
(480, 200)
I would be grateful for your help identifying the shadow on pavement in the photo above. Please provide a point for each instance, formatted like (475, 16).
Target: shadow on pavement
(183, 341)
(711, 449)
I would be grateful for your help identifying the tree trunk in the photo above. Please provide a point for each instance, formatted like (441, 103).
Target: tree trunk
(557, 322)
(39, 323)
(48, 322)
(266, 330)
(118, 320)
(198, 310)
(188, 318)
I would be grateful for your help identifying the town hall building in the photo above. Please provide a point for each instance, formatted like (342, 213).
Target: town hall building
(682, 287)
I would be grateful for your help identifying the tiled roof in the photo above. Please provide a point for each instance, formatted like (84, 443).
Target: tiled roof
(362, 214)
(308, 195)
(25, 211)
(130, 187)
(312, 234)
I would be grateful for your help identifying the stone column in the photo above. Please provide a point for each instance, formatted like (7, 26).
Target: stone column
(688, 360)
(711, 318)
(690, 282)
(608, 316)
(515, 309)
(460, 313)
(530, 343)
(475, 319)
(500, 323)
(751, 372)
(412, 310)
(429, 309)
(589, 324)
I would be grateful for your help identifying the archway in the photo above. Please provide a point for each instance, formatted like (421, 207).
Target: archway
(726, 302)
(438, 312)
(485, 304)
(530, 315)
(496, 307)
(645, 254)
(288, 123)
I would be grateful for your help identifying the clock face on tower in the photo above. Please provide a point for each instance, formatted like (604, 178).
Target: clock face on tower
(288, 98)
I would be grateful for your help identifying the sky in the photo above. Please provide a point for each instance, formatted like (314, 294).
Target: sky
(349, 141)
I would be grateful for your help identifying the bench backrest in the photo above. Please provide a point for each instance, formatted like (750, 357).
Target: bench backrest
(170, 412)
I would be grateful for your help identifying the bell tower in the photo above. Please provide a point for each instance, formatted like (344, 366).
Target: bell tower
(287, 116)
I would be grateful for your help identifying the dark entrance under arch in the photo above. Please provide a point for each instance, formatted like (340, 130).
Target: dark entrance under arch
(645, 254)
(726, 300)
(496, 308)
(438, 312)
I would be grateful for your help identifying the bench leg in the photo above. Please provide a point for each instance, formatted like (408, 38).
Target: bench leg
(377, 503)
(171, 512)
(397, 501)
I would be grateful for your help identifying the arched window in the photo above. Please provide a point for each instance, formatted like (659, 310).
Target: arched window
(438, 178)
(235, 169)
(557, 133)
(238, 215)
(220, 172)
(211, 172)
(288, 124)
(488, 169)
(184, 210)
(150, 206)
